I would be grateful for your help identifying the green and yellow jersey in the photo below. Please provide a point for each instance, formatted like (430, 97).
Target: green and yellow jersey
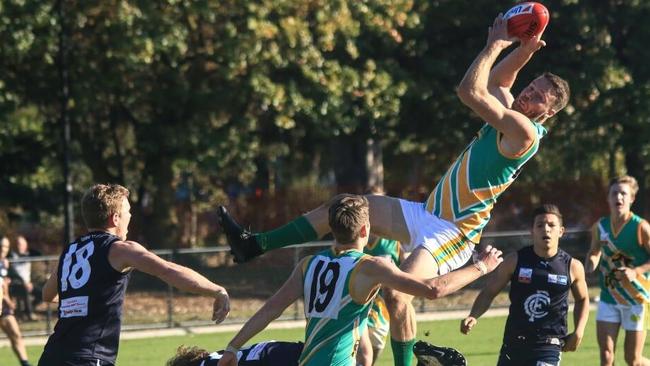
(378, 319)
(336, 315)
(469, 189)
(622, 249)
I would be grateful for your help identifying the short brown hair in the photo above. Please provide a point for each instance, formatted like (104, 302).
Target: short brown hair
(626, 179)
(561, 91)
(100, 202)
(547, 208)
(347, 214)
(188, 356)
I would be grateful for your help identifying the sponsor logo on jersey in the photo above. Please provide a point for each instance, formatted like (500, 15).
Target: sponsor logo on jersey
(558, 279)
(525, 275)
(74, 307)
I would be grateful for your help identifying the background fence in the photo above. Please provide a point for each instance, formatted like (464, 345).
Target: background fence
(150, 303)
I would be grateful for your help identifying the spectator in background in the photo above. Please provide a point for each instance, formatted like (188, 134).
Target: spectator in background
(8, 321)
(21, 278)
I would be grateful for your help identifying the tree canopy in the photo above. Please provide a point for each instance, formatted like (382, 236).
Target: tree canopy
(204, 99)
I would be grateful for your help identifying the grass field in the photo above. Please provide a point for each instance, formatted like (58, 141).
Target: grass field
(480, 348)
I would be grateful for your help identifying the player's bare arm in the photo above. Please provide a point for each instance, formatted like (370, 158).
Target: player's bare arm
(383, 272)
(504, 74)
(49, 291)
(644, 236)
(595, 250)
(581, 306)
(473, 91)
(11, 304)
(290, 291)
(496, 282)
(125, 255)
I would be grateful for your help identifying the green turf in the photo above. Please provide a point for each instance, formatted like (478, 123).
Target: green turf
(480, 348)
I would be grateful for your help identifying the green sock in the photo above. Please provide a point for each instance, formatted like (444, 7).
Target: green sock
(297, 231)
(402, 352)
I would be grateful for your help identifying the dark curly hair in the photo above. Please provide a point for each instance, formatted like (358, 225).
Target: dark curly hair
(188, 356)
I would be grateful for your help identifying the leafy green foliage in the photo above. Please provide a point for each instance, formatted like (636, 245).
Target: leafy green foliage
(234, 93)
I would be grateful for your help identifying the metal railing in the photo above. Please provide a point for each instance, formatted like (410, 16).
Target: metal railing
(150, 303)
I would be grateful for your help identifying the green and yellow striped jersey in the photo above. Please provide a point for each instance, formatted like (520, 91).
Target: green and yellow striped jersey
(469, 189)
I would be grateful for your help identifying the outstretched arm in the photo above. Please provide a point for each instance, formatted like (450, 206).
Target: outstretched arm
(473, 91)
(496, 282)
(581, 306)
(289, 292)
(124, 255)
(385, 273)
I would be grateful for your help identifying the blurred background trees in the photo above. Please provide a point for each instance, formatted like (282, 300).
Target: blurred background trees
(270, 106)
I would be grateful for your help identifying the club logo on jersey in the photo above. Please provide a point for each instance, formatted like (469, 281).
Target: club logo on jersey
(525, 275)
(536, 304)
(558, 279)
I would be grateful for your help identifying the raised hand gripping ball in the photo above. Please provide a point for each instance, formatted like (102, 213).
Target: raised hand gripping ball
(526, 20)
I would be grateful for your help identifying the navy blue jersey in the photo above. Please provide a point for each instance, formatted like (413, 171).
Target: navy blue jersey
(539, 290)
(91, 293)
(263, 354)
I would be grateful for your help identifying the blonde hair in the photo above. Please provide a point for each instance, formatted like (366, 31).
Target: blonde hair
(347, 214)
(626, 179)
(100, 202)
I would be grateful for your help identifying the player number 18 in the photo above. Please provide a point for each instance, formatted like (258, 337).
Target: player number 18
(79, 274)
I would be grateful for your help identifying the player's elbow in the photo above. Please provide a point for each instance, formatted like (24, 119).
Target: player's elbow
(464, 93)
(582, 300)
(470, 96)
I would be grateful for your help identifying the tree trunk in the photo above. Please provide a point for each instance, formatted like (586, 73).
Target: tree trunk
(358, 163)
(159, 219)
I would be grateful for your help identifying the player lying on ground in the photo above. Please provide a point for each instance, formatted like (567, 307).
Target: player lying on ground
(275, 353)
